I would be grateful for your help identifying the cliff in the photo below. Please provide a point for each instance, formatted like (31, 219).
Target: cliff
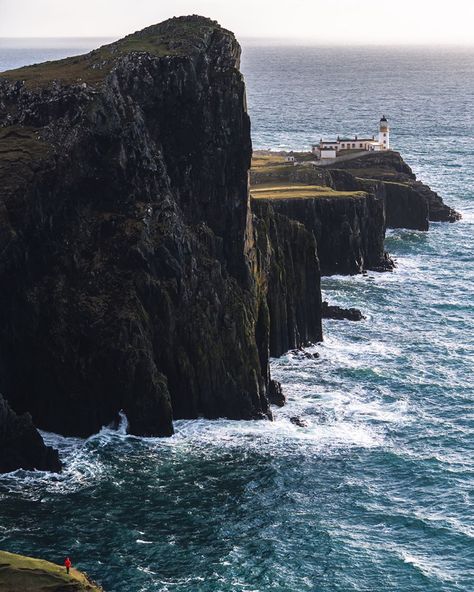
(408, 200)
(25, 574)
(346, 216)
(21, 446)
(404, 207)
(126, 240)
(289, 279)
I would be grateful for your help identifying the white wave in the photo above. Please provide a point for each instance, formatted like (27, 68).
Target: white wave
(427, 567)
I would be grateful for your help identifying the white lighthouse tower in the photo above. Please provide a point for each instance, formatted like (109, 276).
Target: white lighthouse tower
(384, 134)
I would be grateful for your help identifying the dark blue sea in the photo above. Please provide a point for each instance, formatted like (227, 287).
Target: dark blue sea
(376, 493)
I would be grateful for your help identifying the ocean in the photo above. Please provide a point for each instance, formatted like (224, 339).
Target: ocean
(376, 493)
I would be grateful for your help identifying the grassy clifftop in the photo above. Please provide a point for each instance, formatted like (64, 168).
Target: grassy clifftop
(25, 574)
(299, 191)
(174, 37)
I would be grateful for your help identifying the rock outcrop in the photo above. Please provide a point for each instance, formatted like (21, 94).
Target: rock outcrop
(349, 231)
(21, 446)
(338, 313)
(126, 240)
(410, 203)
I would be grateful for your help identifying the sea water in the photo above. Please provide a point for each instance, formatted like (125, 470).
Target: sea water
(376, 493)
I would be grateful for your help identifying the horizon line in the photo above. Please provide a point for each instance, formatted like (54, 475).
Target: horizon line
(304, 42)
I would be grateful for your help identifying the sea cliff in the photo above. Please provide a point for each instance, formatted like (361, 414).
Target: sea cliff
(141, 274)
(127, 240)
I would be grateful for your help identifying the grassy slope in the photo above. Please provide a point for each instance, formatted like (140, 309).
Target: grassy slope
(298, 191)
(25, 574)
(172, 38)
(273, 168)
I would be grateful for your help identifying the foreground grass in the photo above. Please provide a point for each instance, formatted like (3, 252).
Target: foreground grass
(298, 191)
(25, 574)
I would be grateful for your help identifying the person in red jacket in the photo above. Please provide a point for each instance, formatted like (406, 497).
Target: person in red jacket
(67, 563)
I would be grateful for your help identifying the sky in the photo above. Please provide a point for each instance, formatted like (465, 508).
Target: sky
(333, 22)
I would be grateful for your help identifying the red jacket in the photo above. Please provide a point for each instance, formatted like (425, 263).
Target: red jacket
(67, 562)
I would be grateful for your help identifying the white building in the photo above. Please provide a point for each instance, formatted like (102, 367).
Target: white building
(333, 149)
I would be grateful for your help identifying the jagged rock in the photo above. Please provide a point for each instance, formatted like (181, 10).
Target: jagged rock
(275, 394)
(338, 313)
(126, 240)
(302, 353)
(21, 446)
(301, 423)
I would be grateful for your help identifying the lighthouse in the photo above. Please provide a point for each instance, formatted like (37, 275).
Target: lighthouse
(384, 134)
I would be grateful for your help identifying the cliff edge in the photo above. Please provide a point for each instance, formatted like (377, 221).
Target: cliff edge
(25, 574)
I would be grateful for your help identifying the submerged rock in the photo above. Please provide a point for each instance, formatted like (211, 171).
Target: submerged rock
(21, 446)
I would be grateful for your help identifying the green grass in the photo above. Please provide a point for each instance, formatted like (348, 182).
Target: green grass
(399, 183)
(370, 172)
(25, 574)
(175, 37)
(298, 191)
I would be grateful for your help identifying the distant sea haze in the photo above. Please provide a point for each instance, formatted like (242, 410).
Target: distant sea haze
(375, 494)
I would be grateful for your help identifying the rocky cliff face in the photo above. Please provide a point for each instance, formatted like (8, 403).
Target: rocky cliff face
(289, 278)
(349, 231)
(21, 446)
(404, 207)
(126, 237)
(409, 202)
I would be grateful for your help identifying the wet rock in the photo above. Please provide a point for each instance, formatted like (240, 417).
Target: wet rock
(339, 313)
(21, 445)
(301, 423)
(275, 394)
(302, 353)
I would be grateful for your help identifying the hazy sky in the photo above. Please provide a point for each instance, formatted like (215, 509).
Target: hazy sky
(314, 21)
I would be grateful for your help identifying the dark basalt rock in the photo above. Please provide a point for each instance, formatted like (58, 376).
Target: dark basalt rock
(339, 313)
(409, 202)
(289, 278)
(349, 231)
(300, 352)
(275, 394)
(301, 423)
(126, 240)
(21, 446)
